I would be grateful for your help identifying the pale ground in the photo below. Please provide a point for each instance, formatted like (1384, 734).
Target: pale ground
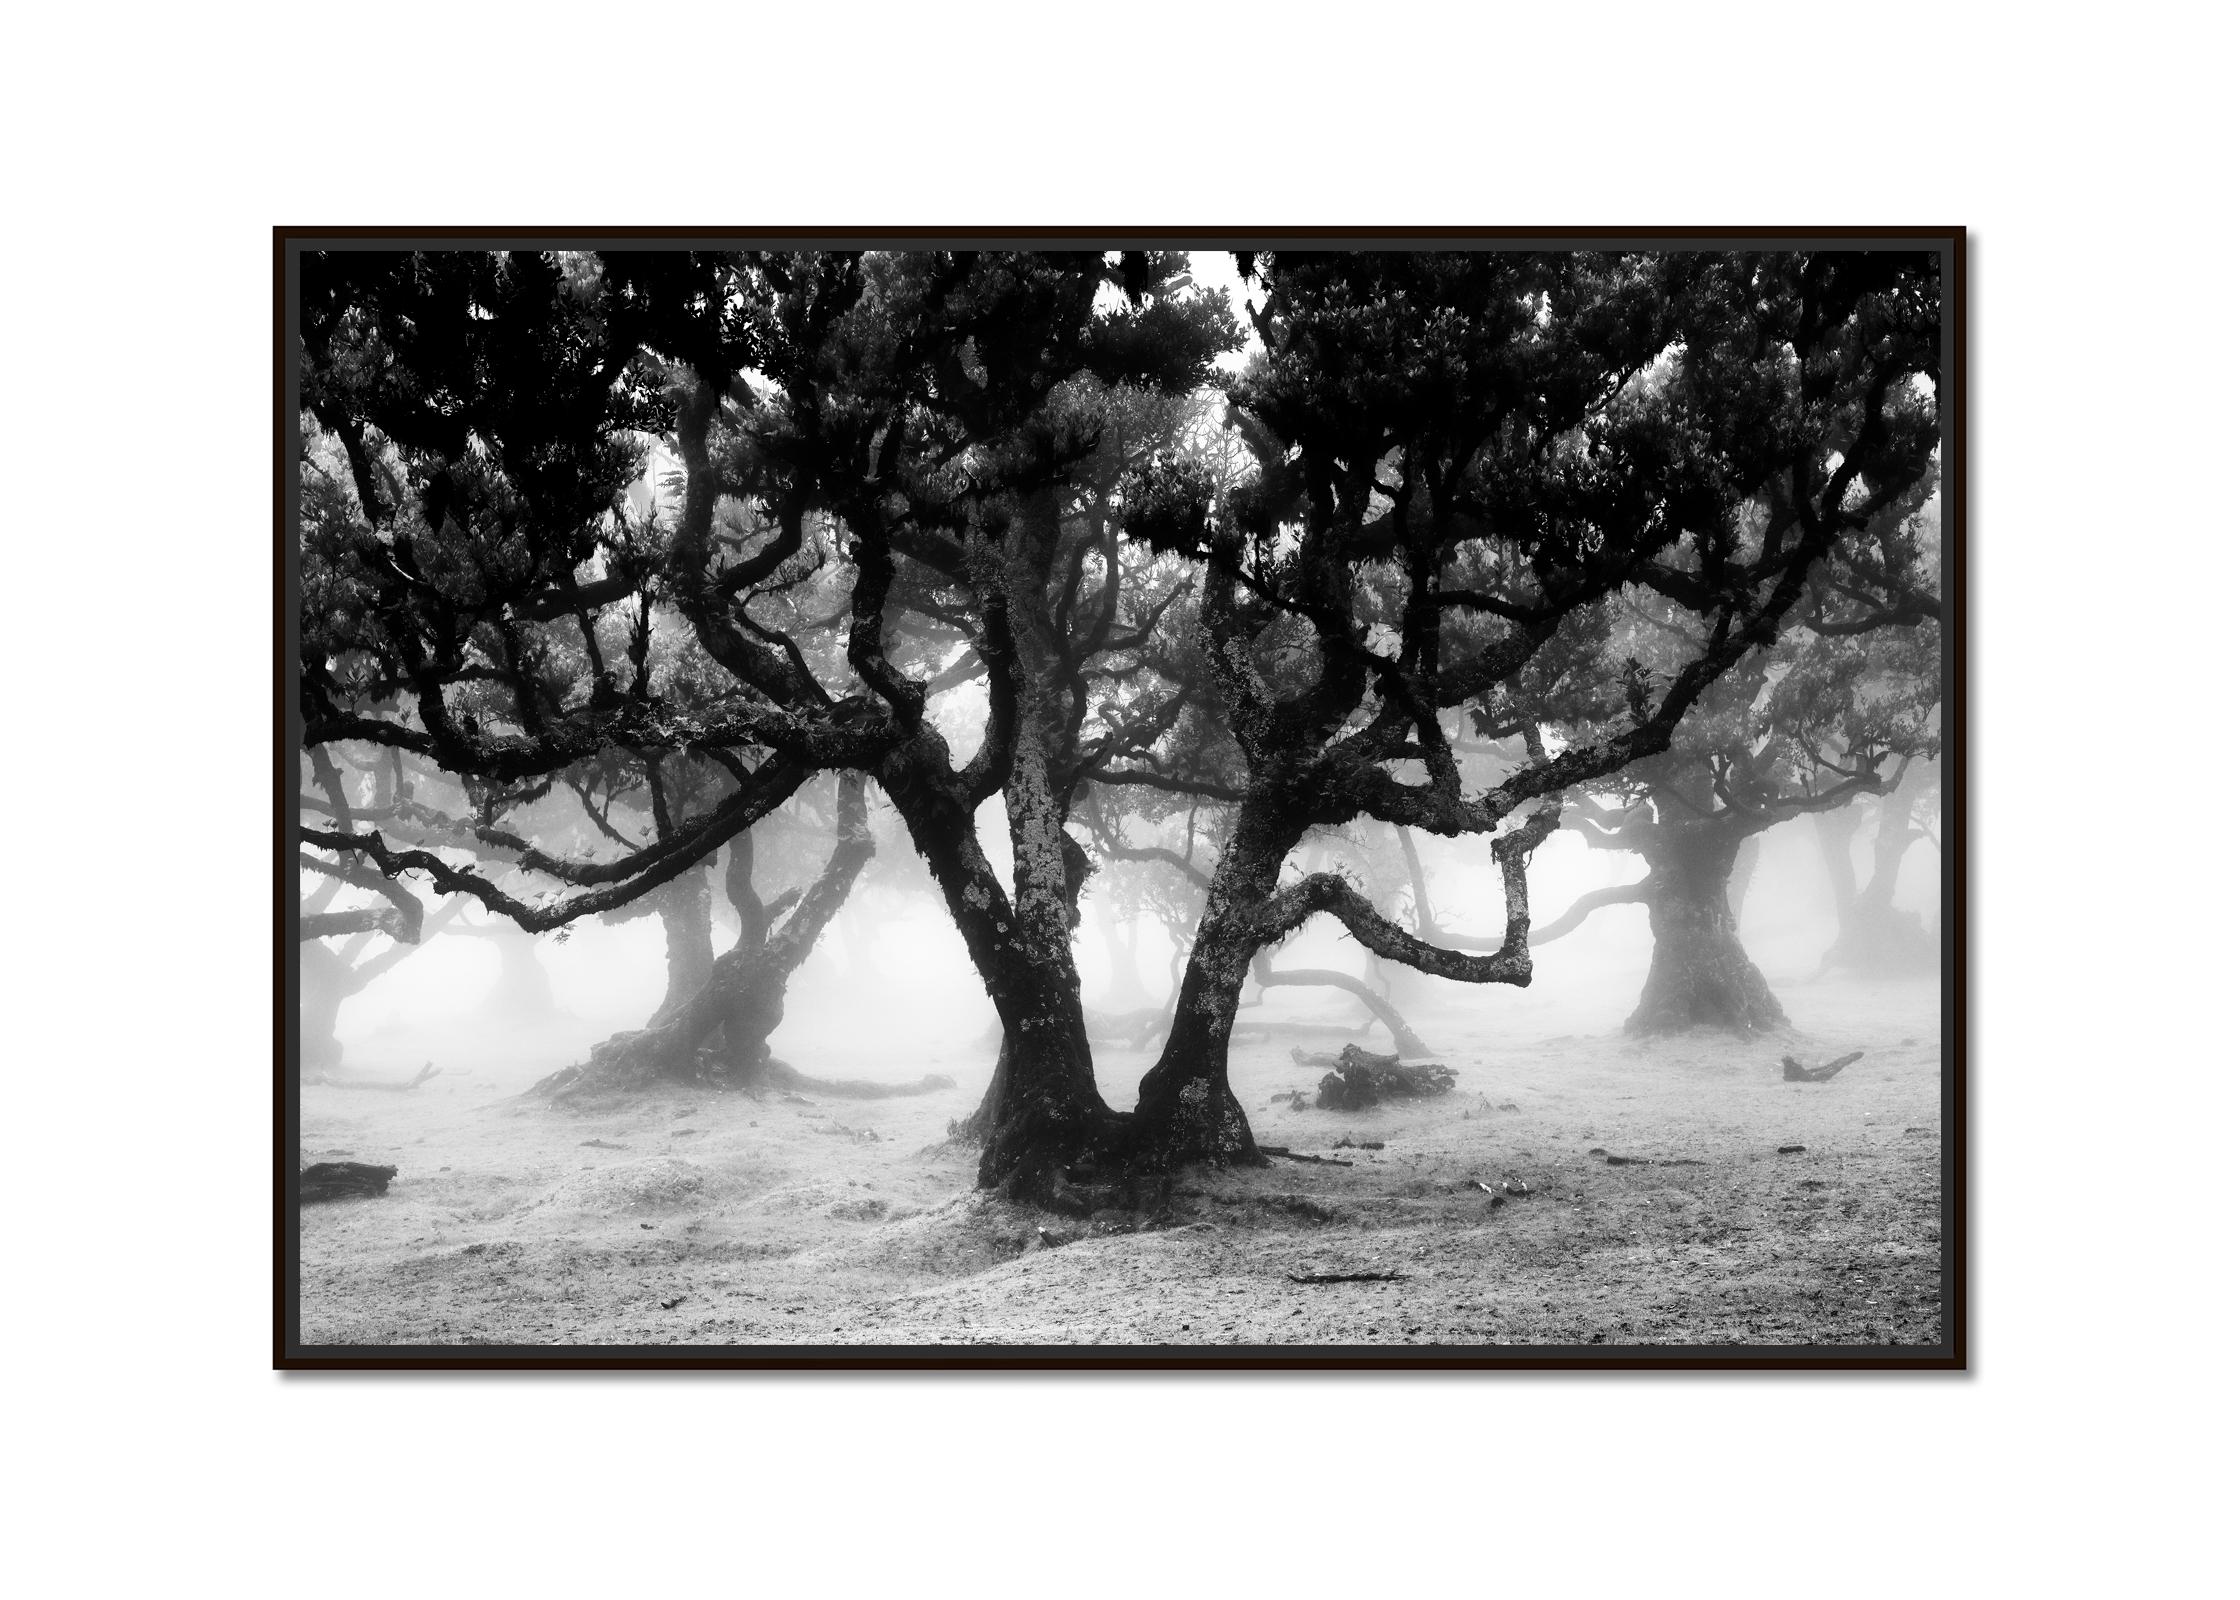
(725, 1220)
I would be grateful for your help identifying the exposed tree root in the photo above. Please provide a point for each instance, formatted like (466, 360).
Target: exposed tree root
(777, 1074)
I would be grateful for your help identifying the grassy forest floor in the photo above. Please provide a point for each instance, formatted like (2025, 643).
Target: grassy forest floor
(707, 1218)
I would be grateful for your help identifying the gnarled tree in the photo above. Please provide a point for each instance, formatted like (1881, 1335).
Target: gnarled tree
(1460, 457)
(476, 592)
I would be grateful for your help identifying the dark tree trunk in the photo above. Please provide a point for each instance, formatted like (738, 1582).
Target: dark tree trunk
(1699, 974)
(999, 1102)
(1042, 1114)
(1186, 1111)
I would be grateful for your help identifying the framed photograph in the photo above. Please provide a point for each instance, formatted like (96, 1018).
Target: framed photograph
(1320, 799)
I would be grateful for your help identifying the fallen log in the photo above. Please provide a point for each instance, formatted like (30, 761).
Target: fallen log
(1795, 1071)
(1360, 1079)
(1346, 1277)
(342, 1180)
(1651, 1161)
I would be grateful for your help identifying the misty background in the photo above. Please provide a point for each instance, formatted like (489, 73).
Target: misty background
(889, 993)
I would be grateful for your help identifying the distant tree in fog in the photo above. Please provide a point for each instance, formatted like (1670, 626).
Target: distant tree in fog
(1873, 933)
(1841, 707)
(344, 948)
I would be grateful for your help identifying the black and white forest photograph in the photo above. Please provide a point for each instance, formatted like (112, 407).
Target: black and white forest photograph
(1226, 800)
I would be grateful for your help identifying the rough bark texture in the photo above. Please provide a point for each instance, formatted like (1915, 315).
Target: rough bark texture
(1699, 974)
(1185, 1110)
(1043, 1112)
(1002, 1102)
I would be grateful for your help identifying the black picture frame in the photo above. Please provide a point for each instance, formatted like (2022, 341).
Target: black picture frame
(290, 1354)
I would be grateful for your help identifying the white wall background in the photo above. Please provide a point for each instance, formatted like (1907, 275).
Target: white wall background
(150, 152)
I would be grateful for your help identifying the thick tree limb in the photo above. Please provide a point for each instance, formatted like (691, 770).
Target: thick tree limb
(659, 863)
(401, 923)
(1512, 963)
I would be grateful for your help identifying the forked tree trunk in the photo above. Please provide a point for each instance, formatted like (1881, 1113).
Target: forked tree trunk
(1699, 974)
(1873, 935)
(1042, 1119)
